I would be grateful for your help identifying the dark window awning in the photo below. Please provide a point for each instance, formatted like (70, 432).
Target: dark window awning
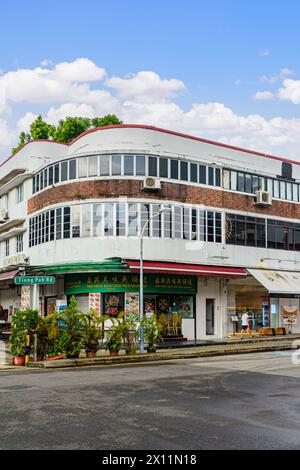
(8, 275)
(188, 269)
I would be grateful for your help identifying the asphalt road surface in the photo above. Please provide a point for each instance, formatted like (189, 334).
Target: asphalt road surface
(240, 402)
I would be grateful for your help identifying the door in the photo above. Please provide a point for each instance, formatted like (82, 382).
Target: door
(210, 316)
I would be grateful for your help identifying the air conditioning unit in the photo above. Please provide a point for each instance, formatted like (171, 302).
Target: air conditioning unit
(151, 184)
(263, 198)
(3, 215)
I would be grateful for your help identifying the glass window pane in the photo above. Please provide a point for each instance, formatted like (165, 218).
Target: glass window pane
(174, 169)
(217, 177)
(82, 167)
(121, 220)
(56, 173)
(241, 182)
(128, 165)
(64, 171)
(194, 173)
(75, 221)
(276, 188)
(167, 224)
(152, 166)
(295, 192)
(156, 221)
(248, 184)
(97, 220)
(108, 219)
(211, 176)
(178, 222)
(183, 171)
(145, 216)
(233, 180)
(289, 191)
(226, 179)
(67, 222)
(72, 169)
(140, 165)
(86, 221)
(255, 184)
(93, 166)
(116, 165)
(50, 175)
(186, 223)
(104, 165)
(58, 224)
(133, 226)
(163, 168)
(202, 174)
(282, 190)
(270, 186)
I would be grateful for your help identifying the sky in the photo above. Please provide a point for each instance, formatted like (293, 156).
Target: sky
(226, 70)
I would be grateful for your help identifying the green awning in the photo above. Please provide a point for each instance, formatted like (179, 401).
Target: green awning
(106, 266)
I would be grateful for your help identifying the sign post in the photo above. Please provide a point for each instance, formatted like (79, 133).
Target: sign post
(36, 282)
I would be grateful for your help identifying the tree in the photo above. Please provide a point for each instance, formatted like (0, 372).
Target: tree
(70, 128)
(108, 120)
(24, 138)
(41, 129)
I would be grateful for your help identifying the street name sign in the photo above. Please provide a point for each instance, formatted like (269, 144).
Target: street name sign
(31, 280)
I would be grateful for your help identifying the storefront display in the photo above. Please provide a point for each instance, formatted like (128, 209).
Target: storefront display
(95, 302)
(113, 304)
(132, 306)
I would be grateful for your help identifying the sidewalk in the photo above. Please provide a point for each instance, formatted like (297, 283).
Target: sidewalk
(227, 347)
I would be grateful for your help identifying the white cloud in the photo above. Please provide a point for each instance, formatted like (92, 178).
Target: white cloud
(286, 72)
(263, 95)
(290, 91)
(264, 53)
(78, 88)
(46, 62)
(266, 79)
(146, 86)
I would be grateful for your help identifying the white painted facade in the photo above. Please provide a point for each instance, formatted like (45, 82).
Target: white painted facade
(19, 169)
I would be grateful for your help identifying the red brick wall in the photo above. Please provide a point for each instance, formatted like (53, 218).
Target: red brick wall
(81, 190)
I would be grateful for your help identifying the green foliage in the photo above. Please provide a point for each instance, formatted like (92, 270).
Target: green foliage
(114, 335)
(108, 120)
(67, 129)
(53, 347)
(41, 129)
(42, 336)
(71, 329)
(91, 330)
(70, 128)
(23, 323)
(152, 332)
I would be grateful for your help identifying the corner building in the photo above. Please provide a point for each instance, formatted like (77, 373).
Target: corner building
(227, 242)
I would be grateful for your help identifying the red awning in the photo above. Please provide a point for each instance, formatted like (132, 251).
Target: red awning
(188, 269)
(8, 275)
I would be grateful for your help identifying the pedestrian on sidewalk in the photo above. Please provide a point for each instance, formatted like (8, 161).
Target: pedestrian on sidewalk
(245, 323)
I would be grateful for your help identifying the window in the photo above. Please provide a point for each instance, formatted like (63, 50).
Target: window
(58, 224)
(210, 317)
(178, 226)
(109, 219)
(67, 222)
(104, 165)
(20, 193)
(145, 215)
(7, 247)
(246, 231)
(97, 220)
(121, 220)
(156, 220)
(163, 168)
(152, 166)
(241, 182)
(140, 165)
(64, 171)
(51, 176)
(75, 222)
(233, 180)
(183, 171)
(72, 170)
(116, 165)
(86, 221)
(211, 181)
(52, 225)
(194, 173)
(202, 174)
(93, 166)
(217, 177)
(133, 220)
(82, 167)
(248, 184)
(56, 173)
(128, 165)
(174, 169)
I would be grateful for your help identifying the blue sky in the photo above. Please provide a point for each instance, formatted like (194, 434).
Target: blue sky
(230, 60)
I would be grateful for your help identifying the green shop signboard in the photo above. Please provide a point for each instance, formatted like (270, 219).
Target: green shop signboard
(128, 282)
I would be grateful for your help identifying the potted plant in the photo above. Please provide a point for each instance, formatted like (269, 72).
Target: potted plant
(23, 324)
(114, 334)
(42, 338)
(152, 332)
(130, 330)
(70, 330)
(91, 332)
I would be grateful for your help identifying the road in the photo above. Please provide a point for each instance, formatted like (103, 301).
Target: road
(240, 402)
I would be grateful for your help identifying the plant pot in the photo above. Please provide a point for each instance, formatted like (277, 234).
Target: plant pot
(73, 356)
(40, 357)
(152, 349)
(19, 361)
(113, 353)
(90, 354)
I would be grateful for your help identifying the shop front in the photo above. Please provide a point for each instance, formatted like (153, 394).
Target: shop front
(170, 297)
